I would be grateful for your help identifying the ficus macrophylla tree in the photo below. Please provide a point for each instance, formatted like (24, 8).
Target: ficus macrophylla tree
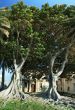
(14, 88)
(54, 76)
(18, 46)
(56, 40)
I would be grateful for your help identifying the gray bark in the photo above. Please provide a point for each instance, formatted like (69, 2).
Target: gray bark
(3, 76)
(14, 88)
(53, 77)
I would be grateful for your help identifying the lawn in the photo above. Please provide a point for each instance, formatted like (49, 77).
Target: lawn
(30, 105)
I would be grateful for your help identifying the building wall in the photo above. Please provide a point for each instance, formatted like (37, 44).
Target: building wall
(37, 86)
(63, 85)
(66, 85)
(45, 85)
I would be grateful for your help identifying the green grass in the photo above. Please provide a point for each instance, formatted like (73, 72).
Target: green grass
(30, 105)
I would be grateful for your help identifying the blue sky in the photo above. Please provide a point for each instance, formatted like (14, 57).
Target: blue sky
(7, 76)
(37, 3)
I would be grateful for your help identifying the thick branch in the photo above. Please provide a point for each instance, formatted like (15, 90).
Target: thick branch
(63, 64)
(65, 60)
(53, 59)
(58, 53)
(1, 63)
(24, 59)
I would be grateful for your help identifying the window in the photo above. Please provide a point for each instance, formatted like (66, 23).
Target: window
(41, 85)
(25, 84)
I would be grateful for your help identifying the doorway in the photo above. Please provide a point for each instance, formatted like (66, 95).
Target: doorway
(33, 88)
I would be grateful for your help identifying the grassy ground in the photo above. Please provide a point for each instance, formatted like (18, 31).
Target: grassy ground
(30, 105)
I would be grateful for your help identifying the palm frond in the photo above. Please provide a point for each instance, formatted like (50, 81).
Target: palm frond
(4, 25)
(4, 31)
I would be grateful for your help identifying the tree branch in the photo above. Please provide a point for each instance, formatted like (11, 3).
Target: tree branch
(24, 59)
(1, 63)
(15, 65)
(53, 59)
(65, 60)
(63, 64)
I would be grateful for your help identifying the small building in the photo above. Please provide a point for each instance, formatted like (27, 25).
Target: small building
(67, 84)
(34, 81)
(37, 85)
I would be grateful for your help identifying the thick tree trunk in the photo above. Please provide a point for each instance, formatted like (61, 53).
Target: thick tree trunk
(53, 77)
(3, 77)
(50, 85)
(14, 89)
(52, 91)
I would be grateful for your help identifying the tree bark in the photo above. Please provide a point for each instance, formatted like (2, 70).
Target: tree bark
(3, 76)
(53, 77)
(52, 91)
(14, 89)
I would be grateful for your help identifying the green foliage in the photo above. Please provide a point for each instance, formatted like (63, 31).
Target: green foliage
(47, 27)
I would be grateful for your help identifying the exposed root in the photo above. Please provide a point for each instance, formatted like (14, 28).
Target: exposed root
(54, 94)
(13, 92)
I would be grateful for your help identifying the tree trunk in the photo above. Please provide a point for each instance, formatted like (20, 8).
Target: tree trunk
(14, 89)
(52, 91)
(3, 76)
(53, 77)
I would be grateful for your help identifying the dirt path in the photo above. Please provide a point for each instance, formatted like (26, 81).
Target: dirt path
(65, 101)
